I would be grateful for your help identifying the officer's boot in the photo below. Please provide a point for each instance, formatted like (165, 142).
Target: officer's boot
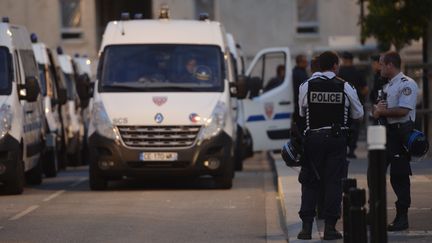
(401, 220)
(306, 232)
(330, 232)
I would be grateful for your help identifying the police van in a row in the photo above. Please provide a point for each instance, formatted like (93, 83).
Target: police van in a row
(168, 102)
(42, 128)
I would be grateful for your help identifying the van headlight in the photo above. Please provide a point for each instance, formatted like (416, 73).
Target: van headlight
(6, 116)
(215, 123)
(102, 123)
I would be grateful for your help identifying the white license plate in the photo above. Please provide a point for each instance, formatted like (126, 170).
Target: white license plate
(158, 156)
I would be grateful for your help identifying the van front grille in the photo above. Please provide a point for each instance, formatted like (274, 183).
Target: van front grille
(159, 136)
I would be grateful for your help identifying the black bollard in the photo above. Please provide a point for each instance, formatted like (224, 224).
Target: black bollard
(357, 214)
(377, 184)
(347, 184)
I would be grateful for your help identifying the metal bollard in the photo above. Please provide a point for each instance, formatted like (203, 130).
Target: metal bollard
(357, 212)
(347, 184)
(377, 184)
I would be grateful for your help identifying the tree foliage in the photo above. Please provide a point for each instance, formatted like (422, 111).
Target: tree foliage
(396, 22)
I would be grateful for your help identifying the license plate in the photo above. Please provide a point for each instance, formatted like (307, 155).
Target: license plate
(158, 156)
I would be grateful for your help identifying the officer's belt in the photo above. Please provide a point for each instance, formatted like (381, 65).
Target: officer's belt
(327, 131)
(398, 125)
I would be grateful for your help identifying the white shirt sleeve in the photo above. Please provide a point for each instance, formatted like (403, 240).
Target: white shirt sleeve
(408, 95)
(355, 105)
(303, 98)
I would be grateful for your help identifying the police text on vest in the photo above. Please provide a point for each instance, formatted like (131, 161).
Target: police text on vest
(326, 97)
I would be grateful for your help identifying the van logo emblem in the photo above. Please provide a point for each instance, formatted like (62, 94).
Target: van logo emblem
(158, 118)
(268, 107)
(160, 100)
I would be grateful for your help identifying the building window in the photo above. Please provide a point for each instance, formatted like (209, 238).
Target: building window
(307, 17)
(205, 6)
(71, 19)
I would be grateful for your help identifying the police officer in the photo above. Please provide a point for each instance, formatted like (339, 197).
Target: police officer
(327, 102)
(399, 109)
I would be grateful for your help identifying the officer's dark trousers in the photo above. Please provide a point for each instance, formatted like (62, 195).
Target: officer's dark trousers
(355, 131)
(324, 167)
(400, 169)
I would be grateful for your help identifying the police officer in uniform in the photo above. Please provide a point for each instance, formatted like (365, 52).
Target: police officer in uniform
(399, 109)
(327, 103)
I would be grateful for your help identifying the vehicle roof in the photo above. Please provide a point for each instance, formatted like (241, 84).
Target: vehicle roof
(163, 32)
(14, 36)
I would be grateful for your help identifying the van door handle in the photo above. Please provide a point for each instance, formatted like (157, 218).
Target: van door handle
(29, 112)
(284, 102)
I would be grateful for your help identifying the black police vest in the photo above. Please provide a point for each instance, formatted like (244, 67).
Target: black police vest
(326, 103)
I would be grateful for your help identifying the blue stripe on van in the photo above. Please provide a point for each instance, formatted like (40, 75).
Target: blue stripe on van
(280, 116)
(255, 118)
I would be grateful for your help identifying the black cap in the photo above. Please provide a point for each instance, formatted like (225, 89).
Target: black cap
(375, 57)
(347, 55)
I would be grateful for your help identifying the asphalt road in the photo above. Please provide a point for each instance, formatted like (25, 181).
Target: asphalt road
(63, 209)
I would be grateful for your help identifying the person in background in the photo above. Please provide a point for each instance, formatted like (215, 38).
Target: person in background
(276, 81)
(349, 73)
(299, 75)
(378, 80)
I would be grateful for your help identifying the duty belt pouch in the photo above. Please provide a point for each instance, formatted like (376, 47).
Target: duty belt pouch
(336, 130)
(404, 130)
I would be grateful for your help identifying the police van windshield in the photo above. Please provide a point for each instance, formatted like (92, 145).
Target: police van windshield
(43, 80)
(168, 67)
(5, 75)
(70, 85)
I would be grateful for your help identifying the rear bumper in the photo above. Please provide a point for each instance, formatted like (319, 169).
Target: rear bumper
(126, 161)
(9, 153)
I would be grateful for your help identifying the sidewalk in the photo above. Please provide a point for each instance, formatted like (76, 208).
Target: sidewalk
(420, 214)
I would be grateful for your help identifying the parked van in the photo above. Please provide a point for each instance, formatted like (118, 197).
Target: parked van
(164, 102)
(53, 156)
(21, 118)
(73, 123)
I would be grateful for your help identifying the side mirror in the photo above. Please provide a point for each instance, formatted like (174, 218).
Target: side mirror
(233, 88)
(32, 89)
(241, 87)
(62, 96)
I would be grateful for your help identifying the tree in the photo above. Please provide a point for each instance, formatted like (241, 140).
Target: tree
(396, 22)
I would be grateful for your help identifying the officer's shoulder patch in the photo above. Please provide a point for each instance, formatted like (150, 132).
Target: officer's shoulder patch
(407, 91)
(404, 79)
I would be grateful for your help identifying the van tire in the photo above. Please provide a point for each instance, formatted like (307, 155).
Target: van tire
(34, 175)
(15, 184)
(50, 163)
(96, 181)
(225, 180)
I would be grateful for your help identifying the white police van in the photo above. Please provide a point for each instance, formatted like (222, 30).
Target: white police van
(164, 102)
(21, 115)
(72, 119)
(52, 100)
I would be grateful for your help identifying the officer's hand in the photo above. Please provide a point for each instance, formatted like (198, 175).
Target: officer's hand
(379, 108)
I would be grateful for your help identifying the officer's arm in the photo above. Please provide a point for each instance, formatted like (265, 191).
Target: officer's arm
(356, 106)
(382, 111)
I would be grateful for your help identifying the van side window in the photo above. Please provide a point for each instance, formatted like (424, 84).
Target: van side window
(29, 63)
(268, 73)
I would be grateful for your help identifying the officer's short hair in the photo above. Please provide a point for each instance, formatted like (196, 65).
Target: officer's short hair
(393, 58)
(327, 60)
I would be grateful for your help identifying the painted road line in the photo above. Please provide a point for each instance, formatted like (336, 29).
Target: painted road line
(411, 233)
(412, 209)
(76, 183)
(52, 196)
(25, 212)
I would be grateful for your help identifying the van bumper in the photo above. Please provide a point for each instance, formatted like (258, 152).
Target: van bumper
(125, 161)
(9, 153)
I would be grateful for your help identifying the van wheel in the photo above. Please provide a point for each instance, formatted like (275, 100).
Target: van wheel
(224, 181)
(34, 176)
(15, 184)
(50, 163)
(96, 180)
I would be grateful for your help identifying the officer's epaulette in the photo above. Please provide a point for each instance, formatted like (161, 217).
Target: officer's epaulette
(404, 79)
(343, 80)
